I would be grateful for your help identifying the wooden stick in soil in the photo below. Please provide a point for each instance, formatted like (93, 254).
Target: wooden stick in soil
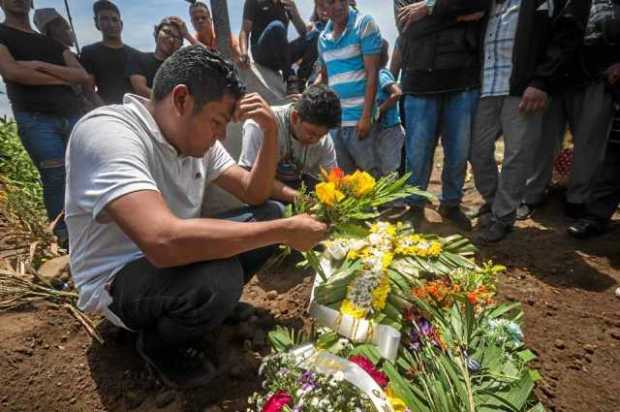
(85, 321)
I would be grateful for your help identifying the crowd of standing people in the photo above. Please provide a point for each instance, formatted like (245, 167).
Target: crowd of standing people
(461, 73)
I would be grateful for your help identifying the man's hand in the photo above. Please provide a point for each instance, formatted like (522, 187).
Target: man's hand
(243, 61)
(33, 64)
(182, 26)
(533, 100)
(290, 6)
(471, 17)
(412, 13)
(305, 232)
(613, 74)
(363, 128)
(253, 106)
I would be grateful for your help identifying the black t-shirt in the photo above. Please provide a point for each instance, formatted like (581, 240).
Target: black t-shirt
(109, 67)
(261, 13)
(60, 100)
(144, 64)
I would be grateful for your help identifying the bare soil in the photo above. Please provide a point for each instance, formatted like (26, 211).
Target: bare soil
(572, 321)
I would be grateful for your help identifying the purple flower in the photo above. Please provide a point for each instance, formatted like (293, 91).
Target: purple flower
(307, 381)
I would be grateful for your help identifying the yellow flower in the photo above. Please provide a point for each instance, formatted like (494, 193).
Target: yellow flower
(328, 194)
(387, 260)
(350, 309)
(380, 294)
(395, 402)
(360, 183)
(435, 249)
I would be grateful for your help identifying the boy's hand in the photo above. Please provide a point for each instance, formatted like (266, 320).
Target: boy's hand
(471, 17)
(533, 100)
(363, 128)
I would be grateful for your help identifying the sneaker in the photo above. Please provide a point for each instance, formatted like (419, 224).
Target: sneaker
(495, 232)
(525, 211)
(292, 86)
(180, 368)
(415, 215)
(575, 210)
(485, 220)
(456, 216)
(586, 228)
(482, 210)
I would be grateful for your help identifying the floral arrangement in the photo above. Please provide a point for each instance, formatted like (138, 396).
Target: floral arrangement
(452, 347)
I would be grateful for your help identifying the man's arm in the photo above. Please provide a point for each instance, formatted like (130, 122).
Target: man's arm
(168, 241)
(408, 12)
(13, 71)
(72, 73)
(371, 66)
(568, 30)
(293, 12)
(140, 85)
(395, 95)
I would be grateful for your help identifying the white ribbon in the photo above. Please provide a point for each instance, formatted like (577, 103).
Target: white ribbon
(328, 364)
(386, 338)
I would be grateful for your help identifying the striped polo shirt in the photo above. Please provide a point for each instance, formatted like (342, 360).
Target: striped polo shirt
(343, 58)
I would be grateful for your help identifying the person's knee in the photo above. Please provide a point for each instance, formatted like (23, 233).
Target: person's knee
(277, 29)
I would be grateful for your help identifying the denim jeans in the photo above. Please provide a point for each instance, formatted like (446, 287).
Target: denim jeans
(450, 115)
(177, 306)
(45, 138)
(274, 51)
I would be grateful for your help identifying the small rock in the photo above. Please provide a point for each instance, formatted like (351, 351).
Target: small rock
(531, 301)
(615, 333)
(589, 348)
(272, 294)
(618, 293)
(164, 399)
(134, 399)
(25, 351)
(547, 390)
(559, 343)
(54, 268)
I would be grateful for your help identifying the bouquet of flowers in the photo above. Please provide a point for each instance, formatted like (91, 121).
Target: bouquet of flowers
(372, 277)
(292, 383)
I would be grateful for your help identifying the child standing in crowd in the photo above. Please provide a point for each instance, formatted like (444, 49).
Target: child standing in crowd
(38, 72)
(389, 132)
(350, 49)
(205, 32)
(143, 66)
(106, 61)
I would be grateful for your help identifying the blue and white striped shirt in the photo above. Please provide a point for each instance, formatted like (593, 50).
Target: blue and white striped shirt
(343, 59)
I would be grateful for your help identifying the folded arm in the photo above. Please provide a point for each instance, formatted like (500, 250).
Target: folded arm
(13, 71)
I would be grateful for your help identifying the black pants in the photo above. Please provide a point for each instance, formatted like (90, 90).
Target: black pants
(606, 190)
(176, 306)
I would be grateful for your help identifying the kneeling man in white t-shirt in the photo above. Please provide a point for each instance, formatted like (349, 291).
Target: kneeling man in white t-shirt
(136, 177)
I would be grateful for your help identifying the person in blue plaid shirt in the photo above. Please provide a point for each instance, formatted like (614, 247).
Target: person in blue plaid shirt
(524, 45)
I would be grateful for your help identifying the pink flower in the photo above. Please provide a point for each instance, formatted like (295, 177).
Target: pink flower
(277, 402)
(364, 363)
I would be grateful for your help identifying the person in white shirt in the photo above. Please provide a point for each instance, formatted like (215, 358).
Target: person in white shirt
(305, 146)
(136, 175)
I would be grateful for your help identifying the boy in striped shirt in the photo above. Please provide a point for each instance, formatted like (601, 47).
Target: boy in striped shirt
(349, 49)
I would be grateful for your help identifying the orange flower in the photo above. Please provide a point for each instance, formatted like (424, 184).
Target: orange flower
(335, 176)
(472, 298)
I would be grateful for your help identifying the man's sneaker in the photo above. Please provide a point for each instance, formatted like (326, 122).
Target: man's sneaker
(485, 220)
(292, 86)
(495, 232)
(180, 368)
(575, 210)
(586, 228)
(525, 211)
(456, 216)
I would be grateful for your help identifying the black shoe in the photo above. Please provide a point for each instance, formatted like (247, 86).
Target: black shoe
(495, 232)
(586, 228)
(177, 368)
(415, 215)
(485, 220)
(456, 216)
(575, 210)
(525, 211)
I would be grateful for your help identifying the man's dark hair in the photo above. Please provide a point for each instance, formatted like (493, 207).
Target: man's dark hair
(207, 75)
(320, 106)
(195, 4)
(103, 5)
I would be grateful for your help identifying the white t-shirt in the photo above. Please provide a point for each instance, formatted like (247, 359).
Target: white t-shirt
(307, 159)
(114, 151)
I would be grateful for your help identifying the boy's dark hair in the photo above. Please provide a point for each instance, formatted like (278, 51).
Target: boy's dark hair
(207, 75)
(102, 5)
(167, 21)
(320, 106)
(195, 4)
